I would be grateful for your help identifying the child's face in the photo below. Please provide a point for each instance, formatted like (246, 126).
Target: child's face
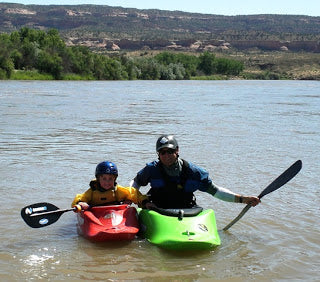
(107, 181)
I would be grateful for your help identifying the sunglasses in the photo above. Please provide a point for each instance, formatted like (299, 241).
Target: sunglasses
(169, 151)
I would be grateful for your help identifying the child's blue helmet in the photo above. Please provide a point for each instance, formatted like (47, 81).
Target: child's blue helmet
(106, 167)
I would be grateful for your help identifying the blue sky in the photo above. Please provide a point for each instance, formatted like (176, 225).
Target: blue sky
(220, 7)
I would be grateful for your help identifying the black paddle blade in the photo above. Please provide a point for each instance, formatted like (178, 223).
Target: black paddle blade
(34, 217)
(282, 179)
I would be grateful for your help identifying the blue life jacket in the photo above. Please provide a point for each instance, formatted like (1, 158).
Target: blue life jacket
(170, 191)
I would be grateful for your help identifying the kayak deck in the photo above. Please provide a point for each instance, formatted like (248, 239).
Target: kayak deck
(180, 232)
(108, 223)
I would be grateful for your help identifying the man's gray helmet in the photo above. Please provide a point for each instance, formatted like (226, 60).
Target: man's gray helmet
(166, 141)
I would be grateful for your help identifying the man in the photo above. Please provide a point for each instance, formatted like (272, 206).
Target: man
(173, 180)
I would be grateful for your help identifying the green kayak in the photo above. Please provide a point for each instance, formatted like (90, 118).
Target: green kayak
(179, 229)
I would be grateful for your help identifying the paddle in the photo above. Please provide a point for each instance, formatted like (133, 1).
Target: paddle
(42, 214)
(276, 184)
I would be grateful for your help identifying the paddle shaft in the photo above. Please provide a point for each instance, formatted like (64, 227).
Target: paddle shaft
(61, 211)
(282, 179)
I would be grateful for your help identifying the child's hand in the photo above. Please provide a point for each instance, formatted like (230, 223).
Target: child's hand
(77, 208)
(84, 206)
(128, 202)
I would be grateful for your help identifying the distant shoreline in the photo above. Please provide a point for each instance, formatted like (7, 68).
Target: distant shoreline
(258, 65)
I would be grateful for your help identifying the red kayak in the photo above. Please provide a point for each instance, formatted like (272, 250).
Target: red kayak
(108, 223)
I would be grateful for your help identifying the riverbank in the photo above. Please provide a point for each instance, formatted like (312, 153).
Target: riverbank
(279, 65)
(264, 65)
(257, 65)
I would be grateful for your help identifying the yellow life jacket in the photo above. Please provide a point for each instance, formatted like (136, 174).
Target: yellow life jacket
(96, 195)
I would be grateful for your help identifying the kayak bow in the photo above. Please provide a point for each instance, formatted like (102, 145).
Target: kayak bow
(108, 223)
(180, 229)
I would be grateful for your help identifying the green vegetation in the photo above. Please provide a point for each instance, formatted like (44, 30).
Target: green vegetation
(30, 75)
(241, 47)
(278, 65)
(36, 54)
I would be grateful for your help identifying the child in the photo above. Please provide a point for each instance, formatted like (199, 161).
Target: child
(104, 190)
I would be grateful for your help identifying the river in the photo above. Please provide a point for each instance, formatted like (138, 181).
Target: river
(245, 133)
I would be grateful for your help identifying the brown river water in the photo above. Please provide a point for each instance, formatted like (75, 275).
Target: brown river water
(245, 133)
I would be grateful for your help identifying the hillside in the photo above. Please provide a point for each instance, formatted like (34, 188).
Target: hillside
(115, 28)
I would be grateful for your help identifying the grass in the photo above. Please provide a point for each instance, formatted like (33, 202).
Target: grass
(30, 75)
(210, 77)
(35, 75)
(280, 65)
(72, 76)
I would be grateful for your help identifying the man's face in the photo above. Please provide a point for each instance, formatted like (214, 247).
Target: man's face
(168, 156)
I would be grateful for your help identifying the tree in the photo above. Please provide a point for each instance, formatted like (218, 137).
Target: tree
(79, 59)
(17, 58)
(130, 67)
(149, 69)
(229, 67)
(188, 62)
(6, 63)
(114, 70)
(51, 64)
(207, 63)
(172, 72)
(47, 52)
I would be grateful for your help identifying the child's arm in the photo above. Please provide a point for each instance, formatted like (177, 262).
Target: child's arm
(84, 198)
(131, 194)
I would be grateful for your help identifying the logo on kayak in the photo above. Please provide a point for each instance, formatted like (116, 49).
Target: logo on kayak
(203, 227)
(188, 233)
(116, 218)
(43, 221)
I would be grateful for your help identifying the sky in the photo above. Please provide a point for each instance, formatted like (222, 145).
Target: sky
(218, 7)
